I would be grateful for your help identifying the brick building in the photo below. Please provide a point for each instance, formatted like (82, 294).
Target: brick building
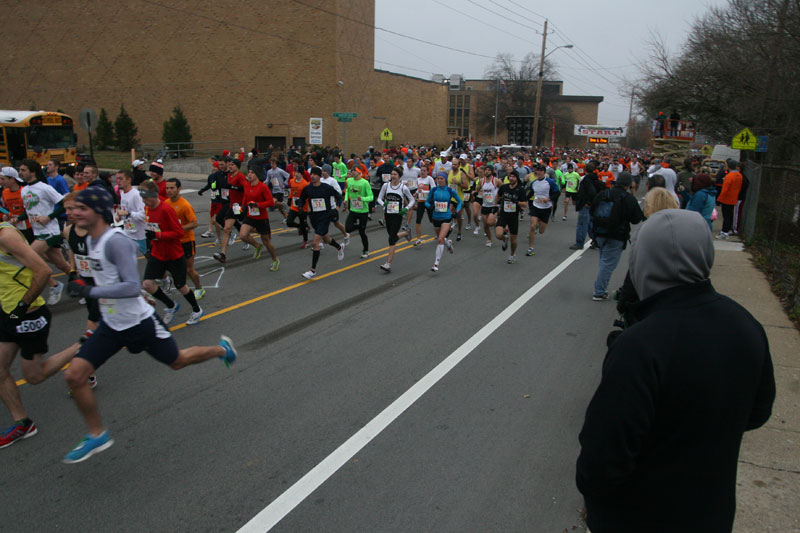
(240, 70)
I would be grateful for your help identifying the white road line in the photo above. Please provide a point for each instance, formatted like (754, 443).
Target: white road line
(294, 495)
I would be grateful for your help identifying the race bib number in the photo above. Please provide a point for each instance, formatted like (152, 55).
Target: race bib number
(393, 207)
(509, 207)
(296, 202)
(29, 326)
(541, 200)
(214, 193)
(356, 203)
(152, 226)
(386, 177)
(237, 209)
(488, 198)
(253, 211)
(275, 182)
(441, 207)
(224, 193)
(129, 225)
(83, 265)
(466, 196)
(318, 204)
(422, 195)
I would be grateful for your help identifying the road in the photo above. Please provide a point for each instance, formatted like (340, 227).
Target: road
(410, 401)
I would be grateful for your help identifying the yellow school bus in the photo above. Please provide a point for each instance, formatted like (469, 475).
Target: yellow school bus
(38, 135)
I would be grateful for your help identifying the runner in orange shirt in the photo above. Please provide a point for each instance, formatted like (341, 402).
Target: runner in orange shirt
(188, 222)
(296, 211)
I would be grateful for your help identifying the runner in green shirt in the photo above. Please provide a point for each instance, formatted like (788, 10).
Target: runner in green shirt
(571, 180)
(339, 170)
(357, 196)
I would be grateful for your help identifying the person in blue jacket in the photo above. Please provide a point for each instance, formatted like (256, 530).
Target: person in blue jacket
(439, 199)
(705, 196)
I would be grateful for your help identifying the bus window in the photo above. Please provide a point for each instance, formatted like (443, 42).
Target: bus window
(50, 137)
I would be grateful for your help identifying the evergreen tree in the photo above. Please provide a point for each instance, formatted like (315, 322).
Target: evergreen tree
(104, 133)
(176, 130)
(125, 130)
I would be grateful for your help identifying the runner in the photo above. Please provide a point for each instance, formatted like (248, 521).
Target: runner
(188, 221)
(439, 201)
(213, 184)
(358, 196)
(166, 253)
(12, 201)
(318, 195)
(458, 179)
(131, 210)
(540, 192)
(477, 196)
(298, 210)
(257, 201)
(24, 326)
(80, 267)
(340, 172)
(328, 179)
(488, 188)
(514, 198)
(156, 172)
(425, 184)
(42, 205)
(233, 215)
(278, 181)
(571, 180)
(395, 198)
(127, 319)
(410, 173)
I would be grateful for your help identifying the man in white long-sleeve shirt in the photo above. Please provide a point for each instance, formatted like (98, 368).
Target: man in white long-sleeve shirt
(131, 210)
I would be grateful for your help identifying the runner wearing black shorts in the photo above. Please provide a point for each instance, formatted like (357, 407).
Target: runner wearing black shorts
(512, 198)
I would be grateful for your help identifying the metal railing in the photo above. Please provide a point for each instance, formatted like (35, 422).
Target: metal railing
(181, 150)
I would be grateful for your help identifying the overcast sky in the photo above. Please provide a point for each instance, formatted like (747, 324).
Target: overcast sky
(609, 37)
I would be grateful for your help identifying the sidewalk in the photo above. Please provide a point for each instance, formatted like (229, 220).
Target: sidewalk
(768, 485)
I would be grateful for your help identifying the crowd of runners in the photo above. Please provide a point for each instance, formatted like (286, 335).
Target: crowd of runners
(92, 226)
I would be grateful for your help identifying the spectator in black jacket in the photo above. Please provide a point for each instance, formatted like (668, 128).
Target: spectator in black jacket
(660, 442)
(587, 190)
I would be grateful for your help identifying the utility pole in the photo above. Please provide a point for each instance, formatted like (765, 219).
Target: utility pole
(630, 118)
(539, 87)
(496, 97)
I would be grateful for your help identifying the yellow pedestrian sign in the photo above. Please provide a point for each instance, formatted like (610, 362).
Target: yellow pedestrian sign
(744, 140)
(707, 150)
(386, 135)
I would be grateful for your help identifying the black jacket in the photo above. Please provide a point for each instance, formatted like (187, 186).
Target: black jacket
(631, 212)
(587, 190)
(660, 442)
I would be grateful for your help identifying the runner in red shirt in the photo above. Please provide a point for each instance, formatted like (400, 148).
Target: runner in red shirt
(164, 232)
(257, 201)
(156, 172)
(235, 211)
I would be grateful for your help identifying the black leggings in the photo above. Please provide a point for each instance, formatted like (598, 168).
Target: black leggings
(358, 220)
(727, 217)
(554, 199)
(393, 223)
(421, 210)
(301, 224)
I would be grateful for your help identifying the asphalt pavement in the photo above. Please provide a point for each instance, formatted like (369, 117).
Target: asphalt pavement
(361, 401)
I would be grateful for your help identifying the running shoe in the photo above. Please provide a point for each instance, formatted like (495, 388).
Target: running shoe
(88, 447)
(505, 244)
(275, 265)
(168, 284)
(381, 222)
(230, 352)
(435, 267)
(257, 251)
(207, 234)
(92, 381)
(321, 246)
(417, 242)
(722, 236)
(194, 318)
(232, 238)
(386, 267)
(600, 297)
(304, 245)
(199, 293)
(346, 240)
(530, 252)
(216, 242)
(449, 244)
(16, 432)
(564, 218)
(512, 259)
(468, 226)
(147, 298)
(82, 301)
(246, 247)
(477, 230)
(169, 313)
(576, 247)
(408, 236)
(364, 254)
(55, 293)
(340, 254)
(406, 227)
(219, 256)
(309, 274)
(458, 237)
(488, 244)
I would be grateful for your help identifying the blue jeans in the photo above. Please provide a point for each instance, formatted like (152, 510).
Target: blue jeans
(584, 226)
(610, 253)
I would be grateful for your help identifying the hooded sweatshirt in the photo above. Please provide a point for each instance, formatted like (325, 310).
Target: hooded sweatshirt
(661, 438)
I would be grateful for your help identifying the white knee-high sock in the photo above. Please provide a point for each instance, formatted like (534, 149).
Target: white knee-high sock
(439, 252)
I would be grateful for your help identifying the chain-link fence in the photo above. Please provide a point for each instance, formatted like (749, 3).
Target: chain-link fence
(771, 224)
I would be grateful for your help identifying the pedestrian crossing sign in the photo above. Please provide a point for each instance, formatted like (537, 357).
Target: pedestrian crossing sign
(386, 134)
(744, 140)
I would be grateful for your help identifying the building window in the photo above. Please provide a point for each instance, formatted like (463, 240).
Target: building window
(466, 101)
(460, 101)
(452, 100)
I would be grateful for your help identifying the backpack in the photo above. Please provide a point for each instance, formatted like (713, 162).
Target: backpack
(607, 214)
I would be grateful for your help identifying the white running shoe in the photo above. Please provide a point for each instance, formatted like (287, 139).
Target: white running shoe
(417, 242)
(477, 230)
(346, 240)
(54, 296)
(364, 254)
(386, 267)
(488, 244)
(207, 234)
(246, 247)
(468, 227)
(512, 259)
(308, 274)
(435, 267)
(449, 244)
(340, 254)
(169, 313)
(194, 318)
(232, 238)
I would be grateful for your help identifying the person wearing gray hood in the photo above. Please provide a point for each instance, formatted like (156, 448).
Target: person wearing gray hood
(661, 437)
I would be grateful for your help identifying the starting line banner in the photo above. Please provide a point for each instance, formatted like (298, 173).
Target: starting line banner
(595, 130)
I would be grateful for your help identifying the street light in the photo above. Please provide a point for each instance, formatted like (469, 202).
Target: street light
(539, 82)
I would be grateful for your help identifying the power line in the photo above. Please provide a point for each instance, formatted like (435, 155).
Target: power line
(484, 23)
(516, 13)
